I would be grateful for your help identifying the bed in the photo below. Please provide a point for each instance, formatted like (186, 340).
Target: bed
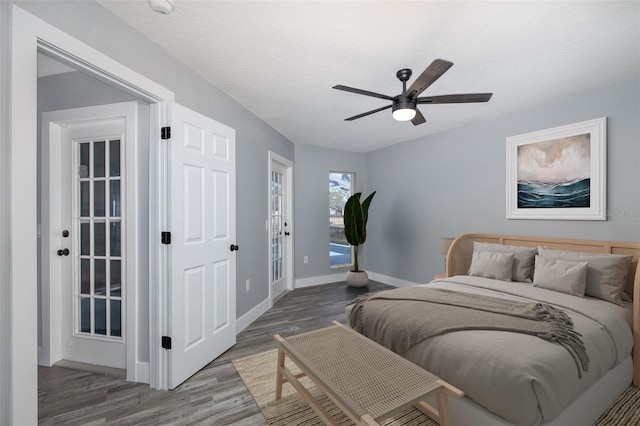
(514, 378)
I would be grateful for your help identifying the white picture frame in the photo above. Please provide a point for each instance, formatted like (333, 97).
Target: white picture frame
(558, 173)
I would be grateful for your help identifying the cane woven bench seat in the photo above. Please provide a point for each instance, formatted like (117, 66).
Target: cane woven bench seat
(367, 381)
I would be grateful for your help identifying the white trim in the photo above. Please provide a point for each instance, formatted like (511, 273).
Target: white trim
(28, 33)
(159, 324)
(142, 372)
(273, 157)
(385, 279)
(320, 280)
(23, 405)
(247, 319)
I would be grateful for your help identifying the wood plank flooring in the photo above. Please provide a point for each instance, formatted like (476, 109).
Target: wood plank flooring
(214, 396)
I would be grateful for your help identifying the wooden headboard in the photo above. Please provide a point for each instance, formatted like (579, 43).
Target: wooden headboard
(461, 251)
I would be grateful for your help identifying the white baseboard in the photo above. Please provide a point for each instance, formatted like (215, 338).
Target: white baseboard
(143, 372)
(385, 279)
(246, 320)
(319, 280)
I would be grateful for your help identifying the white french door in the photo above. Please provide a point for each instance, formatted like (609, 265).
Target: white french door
(92, 250)
(203, 248)
(279, 228)
(280, 225)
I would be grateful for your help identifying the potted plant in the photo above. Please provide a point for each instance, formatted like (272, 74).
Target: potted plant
(355, 230)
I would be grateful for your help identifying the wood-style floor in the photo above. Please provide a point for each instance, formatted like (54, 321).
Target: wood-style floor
(214, 396)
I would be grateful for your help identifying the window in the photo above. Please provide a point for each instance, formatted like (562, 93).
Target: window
(340, 189)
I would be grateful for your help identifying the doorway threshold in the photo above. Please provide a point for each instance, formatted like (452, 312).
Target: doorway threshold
(109, 371)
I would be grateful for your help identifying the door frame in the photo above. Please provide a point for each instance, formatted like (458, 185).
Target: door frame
(28, 35)
(51, 294)
(288, 242)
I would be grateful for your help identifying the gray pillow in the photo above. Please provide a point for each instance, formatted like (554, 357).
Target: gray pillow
(491, 265)
(565, 276)
(522, 259)
(606, 273)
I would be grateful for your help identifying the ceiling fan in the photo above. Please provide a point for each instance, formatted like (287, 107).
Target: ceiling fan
(404, 106)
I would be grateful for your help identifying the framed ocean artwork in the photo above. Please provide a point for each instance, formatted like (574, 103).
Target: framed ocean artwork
(558, 173)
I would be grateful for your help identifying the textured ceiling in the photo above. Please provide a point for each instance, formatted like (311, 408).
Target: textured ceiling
(280, 59)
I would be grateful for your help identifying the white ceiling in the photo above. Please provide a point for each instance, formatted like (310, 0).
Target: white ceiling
(280, 59)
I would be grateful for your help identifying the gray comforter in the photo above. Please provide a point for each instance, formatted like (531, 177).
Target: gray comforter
(520, 377)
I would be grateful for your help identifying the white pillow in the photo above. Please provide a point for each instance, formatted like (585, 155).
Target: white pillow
(565, 276)
(489, 264)
(606, 273)
(522, 258)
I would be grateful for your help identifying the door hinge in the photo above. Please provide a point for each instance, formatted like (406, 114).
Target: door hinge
(165, 133)
(166, 342)
(165, 237)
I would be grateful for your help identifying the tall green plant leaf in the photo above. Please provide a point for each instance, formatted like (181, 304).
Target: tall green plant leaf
(365, 207)
(353, 220)
(355, 223)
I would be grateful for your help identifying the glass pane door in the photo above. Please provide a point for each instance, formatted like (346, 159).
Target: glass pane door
(277, 226)
(98, 223)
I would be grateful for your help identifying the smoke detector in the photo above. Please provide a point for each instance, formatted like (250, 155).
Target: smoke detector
(162, 6)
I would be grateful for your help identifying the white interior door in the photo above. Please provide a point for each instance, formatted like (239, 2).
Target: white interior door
(280, 229)
(203, 261)
(92, 197)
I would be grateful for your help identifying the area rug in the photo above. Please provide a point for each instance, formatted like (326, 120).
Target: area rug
(259, 373)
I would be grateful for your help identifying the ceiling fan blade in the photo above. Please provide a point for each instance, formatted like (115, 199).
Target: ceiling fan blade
(364, 114)
(428, 77)
(419, 118)
(456, 99)
(362, 92)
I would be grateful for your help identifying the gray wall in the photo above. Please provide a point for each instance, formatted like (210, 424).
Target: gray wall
(454, 182)
(311, 204)
(74, 90)
(89, 22)
(5, 303)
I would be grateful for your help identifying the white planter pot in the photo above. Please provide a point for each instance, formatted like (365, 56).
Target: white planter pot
(357, 278)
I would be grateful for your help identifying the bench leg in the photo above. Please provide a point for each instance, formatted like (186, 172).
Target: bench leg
(279, 374)
(443, 408)
(441, 414)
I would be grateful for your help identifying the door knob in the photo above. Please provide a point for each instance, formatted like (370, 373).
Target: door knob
(287, 233)
(63, 252)
(234, 247)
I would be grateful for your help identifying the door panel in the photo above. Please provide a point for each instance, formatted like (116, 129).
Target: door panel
(92, 211)
(279, 228)
(202, 221)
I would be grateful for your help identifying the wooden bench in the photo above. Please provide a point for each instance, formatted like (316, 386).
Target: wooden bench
(368, 382)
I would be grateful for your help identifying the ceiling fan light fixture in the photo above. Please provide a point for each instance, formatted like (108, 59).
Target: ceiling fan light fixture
(404, 114)
(403, 109)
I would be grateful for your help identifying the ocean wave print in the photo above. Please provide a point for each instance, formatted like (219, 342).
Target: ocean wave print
(538, 195)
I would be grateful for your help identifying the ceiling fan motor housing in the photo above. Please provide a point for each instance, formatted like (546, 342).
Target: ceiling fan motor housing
(403, 102)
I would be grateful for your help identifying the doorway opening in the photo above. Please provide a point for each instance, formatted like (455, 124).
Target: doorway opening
(93, 289)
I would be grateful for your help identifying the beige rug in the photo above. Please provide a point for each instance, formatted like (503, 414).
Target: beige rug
(259, 373)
